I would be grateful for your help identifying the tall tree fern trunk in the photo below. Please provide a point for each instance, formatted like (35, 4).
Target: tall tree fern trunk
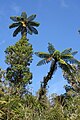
(46, 79)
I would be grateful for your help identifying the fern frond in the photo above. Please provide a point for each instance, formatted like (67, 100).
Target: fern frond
(67, 51)
(42, 54)
(42, 62)
(75, 52)
(51, 48)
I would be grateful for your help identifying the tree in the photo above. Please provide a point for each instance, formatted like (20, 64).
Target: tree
(62, 59)
(24, 25)
(19, 56)
(74, 87)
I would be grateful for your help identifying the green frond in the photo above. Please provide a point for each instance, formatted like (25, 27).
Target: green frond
(14, 25)
(34, 23)
(15, 18)
(61, 61)
(24, 15)
(67, 51)
(29, 31)
(65, 68)
(74, 61)
(42, 54)
(75, 52)
(51, 48)
(32, 17)
(66, 56)
(42, 62)
(33, 29)
(27, 24)
(68, 66)
(17, 31)
(71, 67)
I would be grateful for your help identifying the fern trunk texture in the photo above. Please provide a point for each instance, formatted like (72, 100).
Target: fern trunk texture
(46, 80)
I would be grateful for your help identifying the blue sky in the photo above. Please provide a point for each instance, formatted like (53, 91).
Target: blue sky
(59, 24)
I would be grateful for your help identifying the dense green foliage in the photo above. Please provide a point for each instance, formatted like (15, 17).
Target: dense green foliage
(12, 107)
(73, 81)
(16, 100)
(19, 57)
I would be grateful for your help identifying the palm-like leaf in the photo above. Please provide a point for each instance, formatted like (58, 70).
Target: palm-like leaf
(32, 17)
(34, 24)
(75, 52)
(61, 61)
(74, 61)
(66, 56)
(51, 48)
(64, 63)
(42, 62)
(65, 68)
(29, 31)
(64, 59)
(25, 24)
(33, 29)
(14, 25)
(17, 31)
(67, 51)
(42, 54)
(15, 18)
(24, 15)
